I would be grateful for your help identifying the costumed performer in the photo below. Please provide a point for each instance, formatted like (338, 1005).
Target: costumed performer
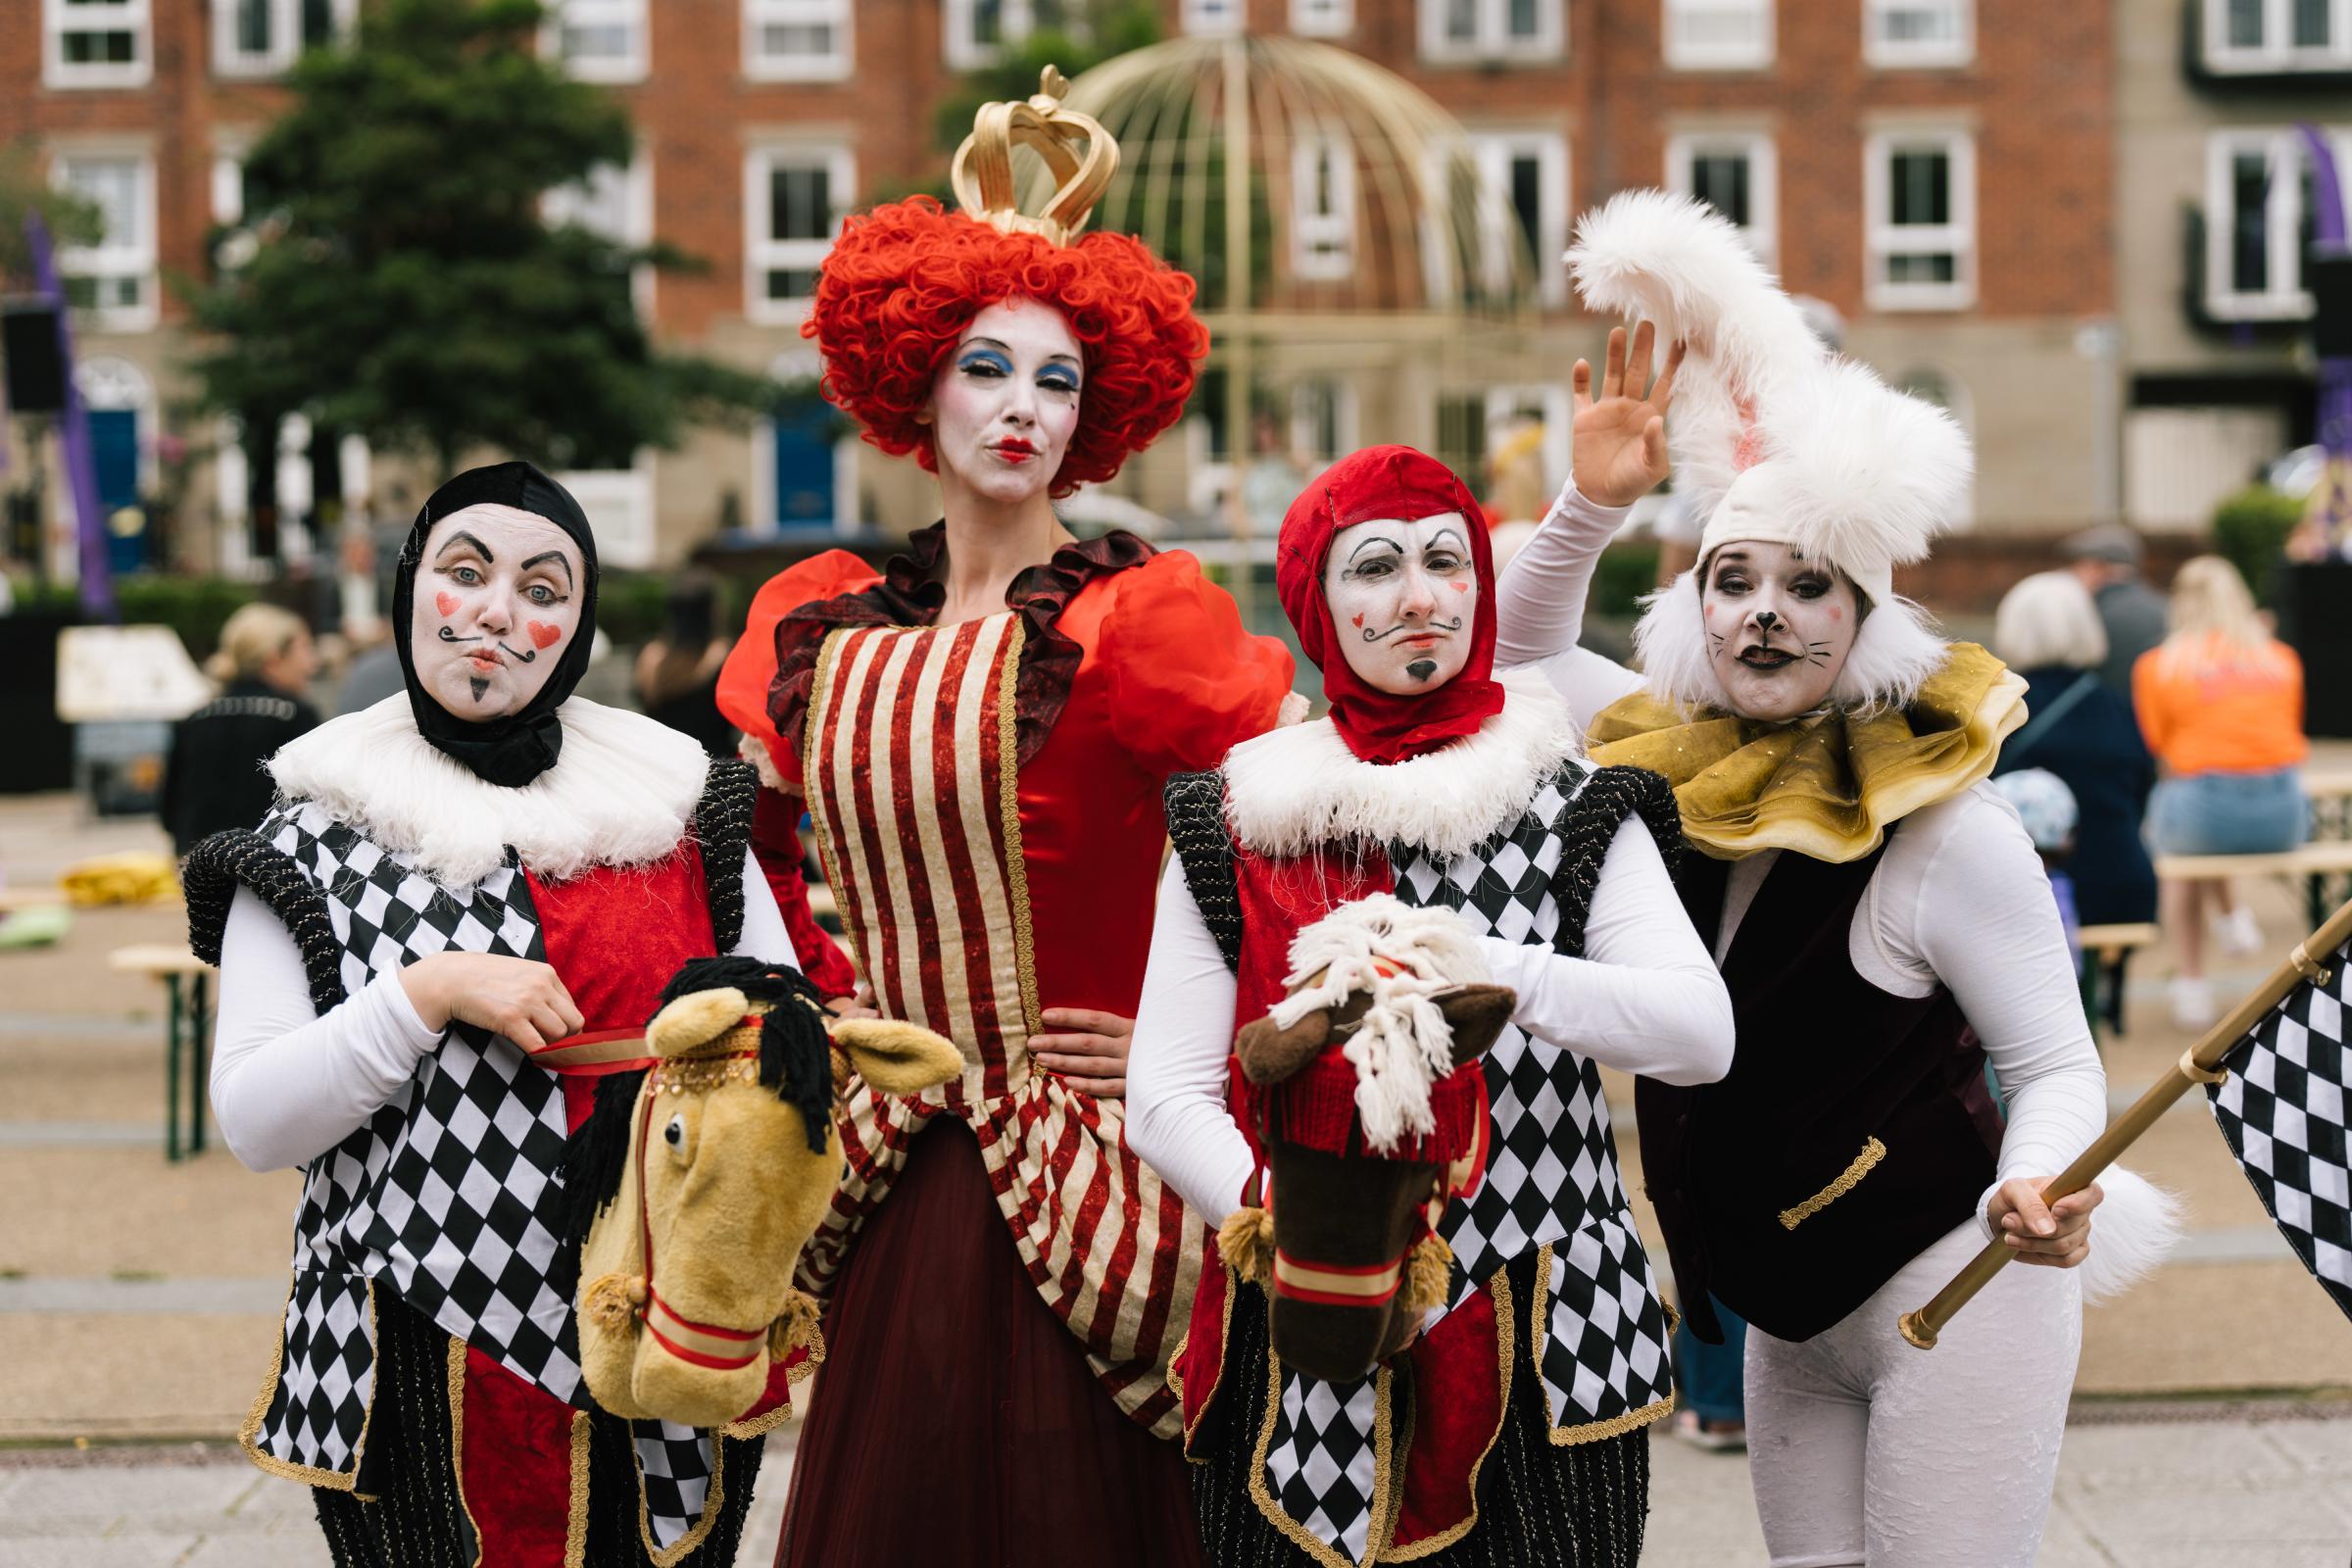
(981, 733)
(451, 882)
(1878, 911)
(1514, 1430)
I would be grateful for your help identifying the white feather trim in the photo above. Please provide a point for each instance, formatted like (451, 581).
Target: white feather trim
(1670, 643)
(1293, 791)
(1896, 650)
(1403, 956)
(2136, 1225)
(620, 794)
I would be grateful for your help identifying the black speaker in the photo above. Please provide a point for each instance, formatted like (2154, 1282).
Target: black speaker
(2330, 274)
(37, 371)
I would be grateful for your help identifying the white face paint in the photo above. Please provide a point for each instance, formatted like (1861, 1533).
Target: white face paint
(1779, 627)
(1005, 403)
(1403, 599)
(497, 601)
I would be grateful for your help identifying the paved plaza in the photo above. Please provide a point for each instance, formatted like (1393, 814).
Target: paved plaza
(138, 1299)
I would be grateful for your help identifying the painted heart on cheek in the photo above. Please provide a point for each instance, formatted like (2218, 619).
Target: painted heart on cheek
(542, 634)
(447, 604)
(1359, 623)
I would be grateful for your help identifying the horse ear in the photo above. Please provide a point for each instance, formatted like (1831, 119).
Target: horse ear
(1270, 1054)
(694, 1019)
(896, 1058)
(1476, 1014)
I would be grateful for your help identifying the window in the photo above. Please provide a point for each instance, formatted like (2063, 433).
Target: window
(112, 281)
(1527, 175)
(598, 40)
(1737, 174)
(1322, 19)
(1920, 187)
(1919, 32)
(793, 202)
(796, 41)
(95, 43)
(1489, 29)
(1718, 34)
(2253, 37)
(1322, 208)
(1218, 19)
(2259, 220)
(973, 30)
(263, 37)
(616, 202)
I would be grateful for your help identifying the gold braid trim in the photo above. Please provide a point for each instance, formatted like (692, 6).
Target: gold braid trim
(1305, 1539)
(1538, 1330)
(1505, 1347)
(760, 1426)
(668, 1557)
(1016, 870)
(576, 1519)
(812, 729)
(249, 1431)
(456, 1359)
(1864, 1162)
(1216, 1376)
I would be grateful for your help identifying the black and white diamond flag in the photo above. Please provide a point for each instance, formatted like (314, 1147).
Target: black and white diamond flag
(2282, 1109)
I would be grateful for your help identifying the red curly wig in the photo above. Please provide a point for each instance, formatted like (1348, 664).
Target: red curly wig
(904, 281)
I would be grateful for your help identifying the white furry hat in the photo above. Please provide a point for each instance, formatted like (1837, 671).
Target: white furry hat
(1776, 440)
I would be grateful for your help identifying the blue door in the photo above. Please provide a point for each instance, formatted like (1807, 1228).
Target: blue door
(115, 452)
(805, 499)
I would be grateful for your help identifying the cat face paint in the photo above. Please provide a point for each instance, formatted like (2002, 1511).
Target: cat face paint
(497, 601)
(1779, 627)
(1403, 597)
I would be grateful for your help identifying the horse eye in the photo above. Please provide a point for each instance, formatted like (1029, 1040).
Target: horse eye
(674, 1135)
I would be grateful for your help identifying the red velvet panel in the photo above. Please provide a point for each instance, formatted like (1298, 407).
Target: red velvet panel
(515, 1466)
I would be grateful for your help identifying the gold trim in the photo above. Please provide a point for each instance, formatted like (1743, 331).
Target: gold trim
(812, 729)
(248, 1431)
(1506, 1351)
(1872, 1152)
(1305, 1539)
(713, 1501)
(1016, 870)
(1538, 1330)
(1216, 1380)
(576, 1519)
(455, 1356)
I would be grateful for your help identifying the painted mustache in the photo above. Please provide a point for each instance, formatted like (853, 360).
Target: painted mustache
(1371, 636)
(520, 657)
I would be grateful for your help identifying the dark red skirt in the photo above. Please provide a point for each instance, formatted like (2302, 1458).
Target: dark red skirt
(956, 1420)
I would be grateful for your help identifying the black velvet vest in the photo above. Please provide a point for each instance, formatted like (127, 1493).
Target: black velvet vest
(1853, 1130)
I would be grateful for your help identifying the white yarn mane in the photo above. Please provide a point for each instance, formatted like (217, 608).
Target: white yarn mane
(1403, 1044)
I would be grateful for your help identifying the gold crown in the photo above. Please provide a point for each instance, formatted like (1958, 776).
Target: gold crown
(982, 174)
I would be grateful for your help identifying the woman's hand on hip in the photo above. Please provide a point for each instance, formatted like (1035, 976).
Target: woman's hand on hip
(1089, 1052)
(2054, 1235)
(859, 1004)
(518, 997)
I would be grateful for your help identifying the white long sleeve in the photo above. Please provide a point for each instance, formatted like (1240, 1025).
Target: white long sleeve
(1540, 598)
(289, 1083)
(1177, 1120)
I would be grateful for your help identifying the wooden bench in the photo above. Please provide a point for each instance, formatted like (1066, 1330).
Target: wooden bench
(188, 1028)
(2106, 952)
(2329, 791)
(2316, 862)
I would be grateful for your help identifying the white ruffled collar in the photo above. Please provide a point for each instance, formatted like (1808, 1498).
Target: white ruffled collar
(622, 794)
(1290, 791)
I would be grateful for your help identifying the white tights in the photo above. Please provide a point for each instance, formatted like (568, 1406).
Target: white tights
(1866, 1451)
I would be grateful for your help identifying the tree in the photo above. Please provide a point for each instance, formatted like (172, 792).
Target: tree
(72, 220)
(397, 279)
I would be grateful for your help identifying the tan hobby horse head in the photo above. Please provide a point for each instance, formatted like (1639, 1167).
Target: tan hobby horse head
(693, 1184)
(1369, 1103)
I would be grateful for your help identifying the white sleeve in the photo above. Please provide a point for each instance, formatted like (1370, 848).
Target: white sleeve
(764, 935)
(289, 1084)
(1587, 681)
(1540, 599)
(1646, 999)
(1177, 1120)
(1982, 919)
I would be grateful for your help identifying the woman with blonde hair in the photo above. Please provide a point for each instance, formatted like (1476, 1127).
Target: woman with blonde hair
(2221, 703)
(214, 778)
(2048, 630)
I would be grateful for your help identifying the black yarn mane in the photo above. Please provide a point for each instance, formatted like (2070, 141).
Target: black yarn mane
(795, 1060)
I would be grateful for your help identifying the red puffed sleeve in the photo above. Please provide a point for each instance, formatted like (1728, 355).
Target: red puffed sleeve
(776, 846)
(751, 667)
(1187, 683)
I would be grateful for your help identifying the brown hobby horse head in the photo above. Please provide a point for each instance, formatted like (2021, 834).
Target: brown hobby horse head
(1370, 1105)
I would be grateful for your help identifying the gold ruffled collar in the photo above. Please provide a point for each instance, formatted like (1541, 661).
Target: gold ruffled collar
(1825, 785)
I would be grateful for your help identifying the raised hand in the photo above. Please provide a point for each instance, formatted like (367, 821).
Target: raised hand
(1621, 436)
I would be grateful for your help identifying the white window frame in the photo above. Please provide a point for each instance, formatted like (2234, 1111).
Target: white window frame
(1323, 242)
(1492, 40)
(1698, 54)
(634, 14)
(635, 183)
(111, 257)
(2285, 299)
(962, 50)
(762, 255)
(1493, 152)
(1905, 54)
(2276, 55)
(836, 65)
(1213, 19)
(1322, 19)
(1763, 232)
(1882, 237)
(61, 17)
(285, 38)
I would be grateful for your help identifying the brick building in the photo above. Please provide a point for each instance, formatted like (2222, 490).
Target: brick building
(1939, 171)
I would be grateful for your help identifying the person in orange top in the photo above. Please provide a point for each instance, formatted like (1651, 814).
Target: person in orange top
(2221, 703)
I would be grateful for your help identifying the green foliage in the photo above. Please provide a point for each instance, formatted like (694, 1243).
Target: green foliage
(1625, 574)
(397, 279)
(631, 606)
(1076, 36)
(2250, 529)
(24, 188)
(193, 607)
